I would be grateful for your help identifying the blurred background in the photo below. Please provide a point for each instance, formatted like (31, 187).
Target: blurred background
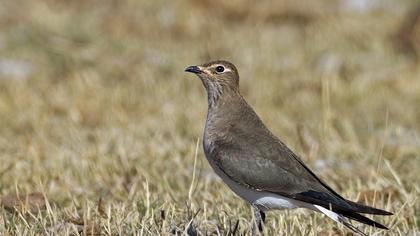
(101, 128)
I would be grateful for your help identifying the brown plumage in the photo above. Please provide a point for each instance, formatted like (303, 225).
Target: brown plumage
(257, 165)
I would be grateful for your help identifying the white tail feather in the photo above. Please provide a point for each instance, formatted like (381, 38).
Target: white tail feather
(339, 219)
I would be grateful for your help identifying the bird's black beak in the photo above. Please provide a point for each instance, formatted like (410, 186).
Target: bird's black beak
(193, 69)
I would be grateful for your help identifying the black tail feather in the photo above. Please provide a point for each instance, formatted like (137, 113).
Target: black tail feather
(367, 209)
(360, 218)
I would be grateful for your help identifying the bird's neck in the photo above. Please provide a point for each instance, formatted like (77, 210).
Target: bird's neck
(229, 114)
(225, 109)
(222, 98)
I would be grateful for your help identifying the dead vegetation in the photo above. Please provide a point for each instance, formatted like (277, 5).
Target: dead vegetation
(99, 124)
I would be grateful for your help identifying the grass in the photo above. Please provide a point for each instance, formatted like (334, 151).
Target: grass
(103, 127)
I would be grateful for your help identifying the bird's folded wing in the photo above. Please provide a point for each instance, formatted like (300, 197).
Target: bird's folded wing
(266, 164)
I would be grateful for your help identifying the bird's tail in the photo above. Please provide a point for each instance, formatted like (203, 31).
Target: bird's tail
(343, 217)
(367, 209)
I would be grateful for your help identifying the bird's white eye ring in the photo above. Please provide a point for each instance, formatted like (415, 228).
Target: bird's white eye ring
(220, 69)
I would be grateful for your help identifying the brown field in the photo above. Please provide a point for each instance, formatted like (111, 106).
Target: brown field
(100, 128)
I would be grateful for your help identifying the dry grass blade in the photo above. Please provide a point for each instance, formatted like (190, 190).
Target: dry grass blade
(30, 203)
(97, 114)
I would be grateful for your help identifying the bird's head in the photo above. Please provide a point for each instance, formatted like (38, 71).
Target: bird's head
(218, 77)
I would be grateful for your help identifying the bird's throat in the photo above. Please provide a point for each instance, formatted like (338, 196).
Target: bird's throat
(218, 94)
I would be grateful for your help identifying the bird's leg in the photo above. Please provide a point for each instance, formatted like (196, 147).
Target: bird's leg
(259, 219)
(262, 216)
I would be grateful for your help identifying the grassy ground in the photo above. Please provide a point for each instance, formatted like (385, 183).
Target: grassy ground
(98, 118)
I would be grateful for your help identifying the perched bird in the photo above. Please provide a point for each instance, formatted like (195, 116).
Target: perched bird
(256, 164)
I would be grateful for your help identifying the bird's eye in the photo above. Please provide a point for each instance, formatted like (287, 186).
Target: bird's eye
(220, 69)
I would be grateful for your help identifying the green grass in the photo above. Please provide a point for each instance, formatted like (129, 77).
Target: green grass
(106, 124)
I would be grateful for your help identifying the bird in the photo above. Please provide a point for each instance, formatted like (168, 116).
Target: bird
(256, 165)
